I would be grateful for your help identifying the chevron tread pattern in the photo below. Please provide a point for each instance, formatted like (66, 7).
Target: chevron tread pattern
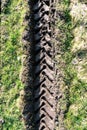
(44, 101)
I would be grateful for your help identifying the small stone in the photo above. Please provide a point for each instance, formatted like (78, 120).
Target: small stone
(1, 121)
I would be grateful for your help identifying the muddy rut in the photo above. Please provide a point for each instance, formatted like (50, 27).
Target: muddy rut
(44, 102)
(42, 20)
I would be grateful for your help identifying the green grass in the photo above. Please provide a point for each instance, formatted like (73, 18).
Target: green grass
(12, 17)
(74, 57)
(76, 116)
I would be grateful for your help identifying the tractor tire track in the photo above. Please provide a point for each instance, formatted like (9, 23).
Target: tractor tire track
(44, 99)
(40, 105)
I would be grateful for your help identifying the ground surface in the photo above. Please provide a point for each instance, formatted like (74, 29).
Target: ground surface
(71, 65)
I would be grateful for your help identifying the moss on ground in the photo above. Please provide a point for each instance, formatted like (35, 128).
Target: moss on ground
(12, 16)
